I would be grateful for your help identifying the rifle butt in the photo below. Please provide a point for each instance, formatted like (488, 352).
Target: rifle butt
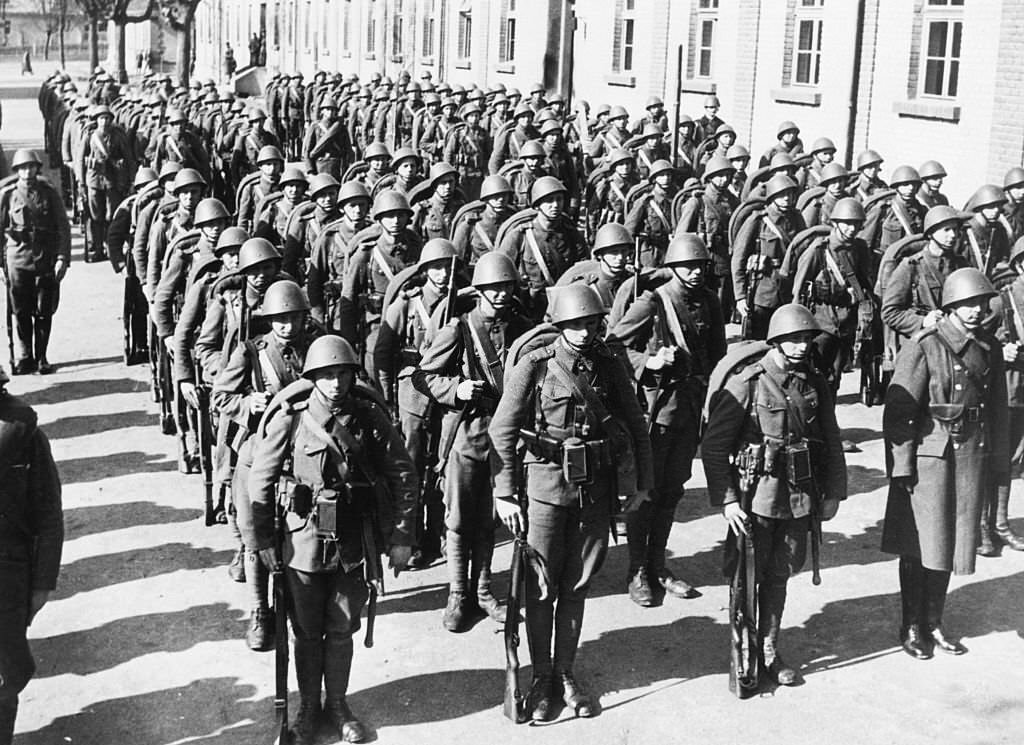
(371, 616)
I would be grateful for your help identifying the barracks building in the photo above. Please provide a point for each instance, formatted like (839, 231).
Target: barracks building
(913, 79)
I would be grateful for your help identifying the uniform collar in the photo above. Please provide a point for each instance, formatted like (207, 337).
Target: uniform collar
(957, 336)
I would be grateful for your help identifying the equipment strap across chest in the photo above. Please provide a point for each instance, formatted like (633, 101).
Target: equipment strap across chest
(538, 256)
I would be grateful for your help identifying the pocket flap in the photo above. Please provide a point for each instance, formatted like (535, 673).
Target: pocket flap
(947, 413)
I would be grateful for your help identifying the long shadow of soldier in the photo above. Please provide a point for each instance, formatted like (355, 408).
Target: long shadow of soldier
(98, 467)
(91, 424)
(102, 518)
(72, 390)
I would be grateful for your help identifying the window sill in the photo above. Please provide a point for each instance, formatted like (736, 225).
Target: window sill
(370, 56)
(427, 61)
(697, 85)
(506, 68)
(618, 79)
(946, 112)
(345, 55)
(799, 96)
(463, 64)
(398, 58)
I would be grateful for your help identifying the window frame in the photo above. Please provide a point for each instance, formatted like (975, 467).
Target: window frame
(807, 12)
(428, 44)
(934, 13)
(464, 35)
(509, 19)
(624, 41)
(371, 28)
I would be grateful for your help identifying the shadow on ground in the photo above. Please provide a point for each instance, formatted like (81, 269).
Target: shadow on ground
(98, 467)
(91, 424)
(72, 390)
(83, 521)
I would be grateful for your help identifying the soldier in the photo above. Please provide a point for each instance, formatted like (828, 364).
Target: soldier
(652, 148)
(988, 240)
(655, 116)
(902, 215)
(739, 156)
(251, 191)
(326, 147)
(608, 266)
(341, 446)
(932, 173)
(947, 440)
(1013, 210)
(406, 166)
(708, 124)
(674, 336)
(475, 235)
(250, 142)
(758, 251)
(778, 409)
(108, 162)
(272, 213)
(32, 539)
(686, 150)
(651, 217)
(432, 217)
(467, 149)
(508, 144)
(169, 224)
(573, 393)
(532, 155)
(178, 144)
(707, 213)
(545, 247)
(869, 165)
(831, 279)
(294, 119)
(833, 179)
(612, 140)
(149, 207)
(609, 200)
(788, 142)
(725, 138)
(306, 228)
(36, 239)
(823, 150)
(378, 160)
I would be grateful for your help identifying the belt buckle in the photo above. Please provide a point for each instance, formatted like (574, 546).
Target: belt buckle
(974, 414)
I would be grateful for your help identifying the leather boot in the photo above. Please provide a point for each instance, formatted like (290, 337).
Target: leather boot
(236, 569)
(989, 545)
(639, 588)
(1003, 530)
(337, 665)
(540, 702)
(936, 586)
(772, 601)
(8, 713)
(260, 635)
(912, 598)
(309, 671)
(575, 697)
(638, 584)
(456, 618)
(483, 552)
(43, 324)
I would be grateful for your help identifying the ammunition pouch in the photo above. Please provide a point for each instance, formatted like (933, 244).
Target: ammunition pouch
(581, 460)
(956, 418)
(373, 302)
(792, 462)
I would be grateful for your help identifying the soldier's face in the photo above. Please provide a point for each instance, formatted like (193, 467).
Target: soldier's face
(1016, 193)
(710, 111)
(825, 156)
(326, 199)
(444, 188)
(945, 236)
(271, 169)
(784, 200)
(499, 202)
(211, 230)
(288, 326)
(327, 115)
(335, 382)
(796, 347)
(439, 272)
(971, 312)
(229, 259)
(690, 273)
(259, 275)
(907, 191)
(580, 333)
(721, 179)
(788, 137)
(188, 198)
(292, 191)
(498, 297)
(28, 172)
(551, 206)
(406, 169)
(615, 258)
(103, 122)
(991, 212)
(394, 222)
(740, 164)
(845, 229)
(378, 165)
(663, 180)
(177, 128)
(726, 140)
(624, 169)
(835, 188)
(532, 164)
(356, 210)
(870, 172)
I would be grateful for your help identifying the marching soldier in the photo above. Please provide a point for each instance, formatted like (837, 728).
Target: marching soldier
(609, 201)
(299, 243)
(652, 148)
(788, 136)
(775, 464)
(833, 179)
(823, 150)
(508, 145)
(432, 217)
(476, 235)
(674, 336)
(1013, 210)
(988, 241)
(708, 124)
(169, 224)
(895, 218)
(406, 167)
(272, 213)
(608, 266)
(651, 216)
(270, 162)
(341, 447)
(378, 160)
(869, 165)
(250, 143)
(149, 207)
(532, 155)
(932, 174)
(326, 148)
(109, 165)
(574, 406)
(613, 140)
(36, 239)
(467, 149)
(31, 542)
(947, 440)
(178, 144)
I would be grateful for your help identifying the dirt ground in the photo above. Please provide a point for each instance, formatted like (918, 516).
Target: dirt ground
(142, 641)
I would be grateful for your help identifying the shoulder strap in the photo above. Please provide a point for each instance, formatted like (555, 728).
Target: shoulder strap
(483, 236)
(580, 388)
(672, 312)
(385, 267)
(486, 354)
(541, 263)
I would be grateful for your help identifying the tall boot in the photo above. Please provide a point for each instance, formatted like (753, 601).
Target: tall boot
(657, 545)
(1003, 529)
(24, 359)
(337, 666)
(771, 603)
(936, 585)
(309, 670)
(456, 616)
(568, 627)
(912, 597)
(638, 584)
(989, 545)
(539, 624)
(260, 635)
(8, 713)
(483, 552)
(43, 324)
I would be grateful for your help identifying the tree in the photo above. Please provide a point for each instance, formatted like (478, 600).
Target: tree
(180, 14)
(53, 20)
(96, 12)
(121, 16)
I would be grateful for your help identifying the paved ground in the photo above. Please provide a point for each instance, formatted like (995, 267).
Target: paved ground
(142, 641)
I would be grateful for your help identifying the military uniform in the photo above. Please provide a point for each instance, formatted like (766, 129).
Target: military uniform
(467, 149)
(300, 244)
(542, 250)
(652, 216)
(592, 272)
(187, 150)
(475, 235)
(326, 149)
(987, 245)
(249, 199)
(707, 214)
(328, 264)
(433, 218)
(108, 167)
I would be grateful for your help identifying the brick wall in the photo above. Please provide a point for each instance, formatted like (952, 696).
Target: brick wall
(1007, 130)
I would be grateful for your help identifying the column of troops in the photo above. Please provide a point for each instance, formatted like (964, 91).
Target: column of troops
(384, 317)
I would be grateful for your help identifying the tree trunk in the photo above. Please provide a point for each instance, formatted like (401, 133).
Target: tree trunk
(184, 57)
(120, 71)
(46, 47)
(60, 31)
(94, 44)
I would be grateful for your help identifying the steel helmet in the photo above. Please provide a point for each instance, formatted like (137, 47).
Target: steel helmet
(686, 247)
(602, 109)
(822, 144)
(653, 101)
(390, 201)
(904, 175)
(329, 351)
(494, 268)
(169, 170)
(965, 284)
(570, 302)
(1017, 250)
(292, 175)
(269, 153)
(376, 150)
(24, 156)
(405, 153)
(659, 167)
(174, 115)
(617, 112)
(353, 190)
(188, 177)
(256, 114)
(532, 149)
(322, 182)
(620, 156)
(711, 100)
(725, 129)
(932, 169)
(210, 210)
(544, 187)
(737, 152)
(868, 158)
(718, 164)
(494, 186)
(471, 108)
(652, 130)
(143, 176)
(232, 237)
(256, 251)
(778, 184)
(986, 196)
(781, 162)
(440, 171)
(786, 126)
(522, 109)
(100, 110)
(1013, 177)
(611, 235)
(848, 209)
(436, 249)
(791, 318)
(940, 215)
(328, 103)
(551, 126)
(283, 296)
(685, 120)
(833, 172)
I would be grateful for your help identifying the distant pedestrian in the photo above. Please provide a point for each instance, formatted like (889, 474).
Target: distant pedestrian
(255, 46)
(230, 65)
(26, 63)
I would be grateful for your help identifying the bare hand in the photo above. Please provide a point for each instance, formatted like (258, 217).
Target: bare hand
(258, 401)
(634, 502)
(270, 559)
(188, 392)
(168, 342)
(469, 390)
(739, 521)
(398, 558)
(36, 603)
(60, 269)
(829, 508)
(511, 515)
(931, 318)
(741, 307)
(1011, 351)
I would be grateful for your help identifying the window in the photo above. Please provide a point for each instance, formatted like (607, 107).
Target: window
(703, 22)
(346, 26)
(397, 28)
(624, 41)
(465, 40)
(371, 29)
(307, 29)
(328, 27)
(429, 26)
(507, 42)
(941, 37)
(806, 68)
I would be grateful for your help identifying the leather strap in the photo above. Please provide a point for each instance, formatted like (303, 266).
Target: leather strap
(382, 263)
(531, 241)
(491, 364)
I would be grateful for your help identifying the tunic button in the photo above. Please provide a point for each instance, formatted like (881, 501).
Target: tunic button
(956, 445)
(958, 387)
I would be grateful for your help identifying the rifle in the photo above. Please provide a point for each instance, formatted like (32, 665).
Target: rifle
(745, 648)
(280, 634)
(679, 86)
(374, 574)
(452, 294)
(514, 706)
(636, 266)
(206, 445)
(754, 273)
(10, 318)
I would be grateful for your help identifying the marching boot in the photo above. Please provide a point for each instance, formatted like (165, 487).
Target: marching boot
(260, 635)
(568, 627)
(8, 713)
(936, 585)
(989, 545)
(337, 665)
(638, 584)
(1003, 530)
(236, 569)
(540, 701)
(43, 324)
(456, 616)
(309, 670)
(912, 597)
(772, 601)
(483, 552)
